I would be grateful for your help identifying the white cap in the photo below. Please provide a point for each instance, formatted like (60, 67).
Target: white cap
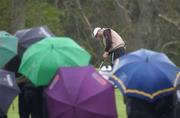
(96, 31)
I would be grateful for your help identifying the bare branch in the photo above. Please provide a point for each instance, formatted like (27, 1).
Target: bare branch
(18, 11)
(175, 23)
(172, 52)
(84, 15)
(126, 11)
(168, 44)
(126, 16)
(122, 7)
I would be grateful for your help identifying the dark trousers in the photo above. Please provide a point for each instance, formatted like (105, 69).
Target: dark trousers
(5, 116)
(2, 114)
(30, 103)
(161, 108)
(117, 53)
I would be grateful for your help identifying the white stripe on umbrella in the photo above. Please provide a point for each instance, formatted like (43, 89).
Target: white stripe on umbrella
(44, 31)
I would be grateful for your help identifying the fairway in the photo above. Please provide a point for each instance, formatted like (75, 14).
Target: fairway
(13, 110)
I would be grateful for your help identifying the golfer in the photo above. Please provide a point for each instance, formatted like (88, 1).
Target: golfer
(114, 45)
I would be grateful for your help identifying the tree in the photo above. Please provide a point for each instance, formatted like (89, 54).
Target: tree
(18, 10)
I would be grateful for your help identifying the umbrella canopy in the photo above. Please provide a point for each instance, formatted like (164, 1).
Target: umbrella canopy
(8, 90)
(177, 80)
(146, 74)
(8, 47)
(13, 65)
(27, 37)
(41, 60)
(80, 92)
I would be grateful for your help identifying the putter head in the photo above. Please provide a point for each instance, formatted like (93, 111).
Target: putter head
(106, 68)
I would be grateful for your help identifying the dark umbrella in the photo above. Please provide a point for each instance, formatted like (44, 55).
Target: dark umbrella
(13, 65)
(27, 37)
(80, 92)
(8, 90)
(146, 74)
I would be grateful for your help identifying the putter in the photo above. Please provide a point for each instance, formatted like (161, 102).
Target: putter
(102, 62)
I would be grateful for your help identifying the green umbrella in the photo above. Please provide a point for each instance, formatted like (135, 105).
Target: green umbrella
(41, 60)
(8, 47)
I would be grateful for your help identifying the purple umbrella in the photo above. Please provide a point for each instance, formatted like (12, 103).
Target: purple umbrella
(80, 92)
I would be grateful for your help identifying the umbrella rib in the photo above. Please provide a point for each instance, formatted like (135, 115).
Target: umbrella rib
(65, 87)
(63, 48)
(15, 53)
(25, 63)
(109, 116)
(13, 89)
(174, 66)
(58, 115)
(24, 55)
(42, 58)
(54, 98)
(30, 39)
(32, 55)
(130, 64)
(150, 96)
(85, 75)
(162, 72)
(94, 95)
(3, 47)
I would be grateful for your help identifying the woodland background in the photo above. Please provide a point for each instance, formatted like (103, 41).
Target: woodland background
(150, 24)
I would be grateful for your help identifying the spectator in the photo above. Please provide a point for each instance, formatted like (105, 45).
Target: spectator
(161, 108)
(30, 100)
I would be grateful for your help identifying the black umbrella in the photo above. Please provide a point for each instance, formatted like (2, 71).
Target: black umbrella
(27, 37)
(8, 90)
(13, 65)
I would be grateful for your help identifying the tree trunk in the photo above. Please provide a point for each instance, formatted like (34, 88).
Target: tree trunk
(18, 10)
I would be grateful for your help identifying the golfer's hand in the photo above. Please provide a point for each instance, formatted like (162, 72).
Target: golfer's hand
(105, 55)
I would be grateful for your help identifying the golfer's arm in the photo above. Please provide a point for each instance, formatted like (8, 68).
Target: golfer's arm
(107, 35)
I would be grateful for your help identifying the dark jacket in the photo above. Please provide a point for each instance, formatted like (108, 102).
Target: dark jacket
(177, 102)
(161, 108)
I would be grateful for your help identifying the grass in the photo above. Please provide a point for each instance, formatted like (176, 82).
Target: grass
(121, 108)
(13, 110)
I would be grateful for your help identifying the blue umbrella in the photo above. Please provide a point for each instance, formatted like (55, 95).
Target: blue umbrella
(145, 74)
